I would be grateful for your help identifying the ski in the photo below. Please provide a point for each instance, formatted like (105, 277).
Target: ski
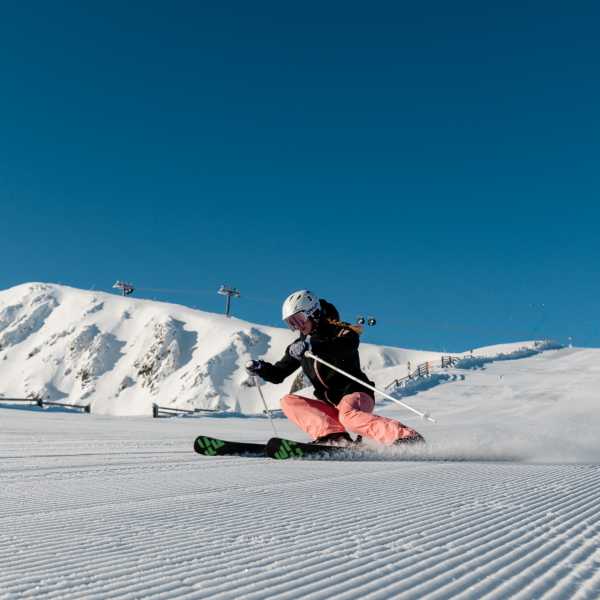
(282, 449)
(209, 446)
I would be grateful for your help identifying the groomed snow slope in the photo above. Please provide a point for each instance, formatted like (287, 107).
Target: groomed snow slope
(102, 507)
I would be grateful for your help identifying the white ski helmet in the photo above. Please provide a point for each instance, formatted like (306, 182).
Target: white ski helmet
(300, 301)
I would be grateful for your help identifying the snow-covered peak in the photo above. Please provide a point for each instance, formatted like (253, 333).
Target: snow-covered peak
(123, 354)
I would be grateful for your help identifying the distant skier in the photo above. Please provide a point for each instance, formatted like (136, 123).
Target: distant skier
(341, 404)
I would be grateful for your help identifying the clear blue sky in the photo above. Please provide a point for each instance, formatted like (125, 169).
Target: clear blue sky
(435, 164)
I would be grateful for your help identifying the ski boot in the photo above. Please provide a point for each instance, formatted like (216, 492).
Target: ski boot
(414, 438)
(341, 438)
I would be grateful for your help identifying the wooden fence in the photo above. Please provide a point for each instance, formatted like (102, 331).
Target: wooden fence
(167, 411)
(425, 369)
(86, 408)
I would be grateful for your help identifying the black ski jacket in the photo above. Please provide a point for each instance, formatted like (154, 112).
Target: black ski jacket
(337, 345)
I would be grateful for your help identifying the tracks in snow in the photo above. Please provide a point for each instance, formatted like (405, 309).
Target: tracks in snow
(173, 526)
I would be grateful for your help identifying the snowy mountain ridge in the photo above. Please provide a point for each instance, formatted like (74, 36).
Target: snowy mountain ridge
(123, 354)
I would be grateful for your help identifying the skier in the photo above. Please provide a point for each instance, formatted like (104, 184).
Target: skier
(341, 404)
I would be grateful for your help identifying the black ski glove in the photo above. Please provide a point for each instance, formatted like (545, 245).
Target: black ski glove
(253, 367)
(297, 349)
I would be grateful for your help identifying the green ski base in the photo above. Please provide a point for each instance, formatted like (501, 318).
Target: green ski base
(282, 449)
(209, 446)
(277, 448)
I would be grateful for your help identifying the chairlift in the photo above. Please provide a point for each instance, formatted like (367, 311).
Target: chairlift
(126, 288)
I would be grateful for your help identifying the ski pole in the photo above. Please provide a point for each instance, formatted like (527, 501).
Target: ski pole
(370, 387)
(256, 382)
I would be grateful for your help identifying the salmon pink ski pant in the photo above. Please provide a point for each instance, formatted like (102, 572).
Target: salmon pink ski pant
(353, 413)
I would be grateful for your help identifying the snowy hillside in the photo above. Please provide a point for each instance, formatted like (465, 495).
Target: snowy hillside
(123, 354)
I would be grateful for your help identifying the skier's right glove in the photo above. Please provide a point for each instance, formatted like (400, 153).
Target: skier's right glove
(253, 367)
(297, 349)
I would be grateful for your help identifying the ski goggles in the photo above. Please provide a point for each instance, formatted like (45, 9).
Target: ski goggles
(297, 321)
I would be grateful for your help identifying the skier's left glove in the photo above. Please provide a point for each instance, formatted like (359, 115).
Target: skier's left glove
(297, 349)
